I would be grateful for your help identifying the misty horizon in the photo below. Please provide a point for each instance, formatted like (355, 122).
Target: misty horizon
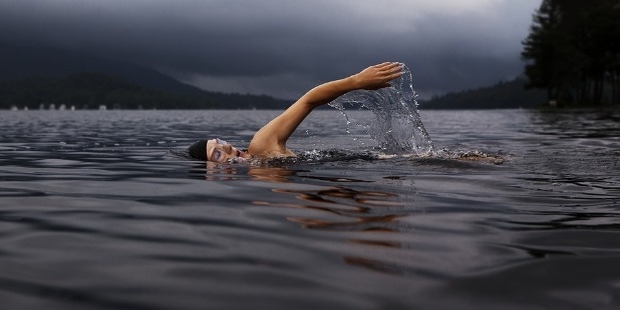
(280, 48)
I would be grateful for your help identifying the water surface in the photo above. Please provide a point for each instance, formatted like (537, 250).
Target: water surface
(98, 210)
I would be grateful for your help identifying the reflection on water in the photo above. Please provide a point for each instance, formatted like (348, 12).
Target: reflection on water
(577, 123)
(355, 210)
(342, 209)
(335, 208)
(350, 210)
(272, 174)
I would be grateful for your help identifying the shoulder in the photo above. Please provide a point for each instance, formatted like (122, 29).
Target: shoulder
(264, 152)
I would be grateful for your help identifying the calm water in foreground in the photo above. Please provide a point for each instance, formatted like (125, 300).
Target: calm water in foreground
(100, 210)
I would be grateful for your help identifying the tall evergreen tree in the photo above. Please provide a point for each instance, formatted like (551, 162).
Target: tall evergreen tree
(540, 48)
(572, 50)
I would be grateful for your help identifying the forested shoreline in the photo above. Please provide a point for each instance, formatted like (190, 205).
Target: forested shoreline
(573, 52)
(90, 90)
(571, 55)
(503, 95)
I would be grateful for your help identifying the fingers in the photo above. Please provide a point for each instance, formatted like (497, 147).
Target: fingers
(387, 68)
(378, 76)
(388, 65)
(395, 66)
(392, 71)
(395, 75)
(382, 64)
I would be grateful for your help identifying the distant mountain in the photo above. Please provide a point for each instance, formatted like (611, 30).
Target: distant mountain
(43, 67)
(92, 90)
(504, 95)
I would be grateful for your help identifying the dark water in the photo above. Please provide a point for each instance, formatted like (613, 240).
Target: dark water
(98, 211)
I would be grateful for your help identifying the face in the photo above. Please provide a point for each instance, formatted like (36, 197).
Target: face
(221, 151)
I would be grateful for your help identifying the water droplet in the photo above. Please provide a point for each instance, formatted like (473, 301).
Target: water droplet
(397, 126)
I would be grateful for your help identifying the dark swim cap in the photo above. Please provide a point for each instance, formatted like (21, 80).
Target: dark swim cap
(198, 150)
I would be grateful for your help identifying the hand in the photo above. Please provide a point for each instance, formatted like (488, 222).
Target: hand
(378, 76)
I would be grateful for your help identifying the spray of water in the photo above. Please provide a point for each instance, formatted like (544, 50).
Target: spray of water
(397, 126)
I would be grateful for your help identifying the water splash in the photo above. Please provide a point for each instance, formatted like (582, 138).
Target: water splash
(397, 126)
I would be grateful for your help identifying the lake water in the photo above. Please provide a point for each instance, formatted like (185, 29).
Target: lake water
(100, 210)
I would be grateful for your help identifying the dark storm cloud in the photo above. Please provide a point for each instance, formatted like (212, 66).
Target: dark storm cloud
(283, 47)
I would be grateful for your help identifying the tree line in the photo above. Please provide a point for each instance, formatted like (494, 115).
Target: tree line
(90, 90)
(573, 51)
(503, 95)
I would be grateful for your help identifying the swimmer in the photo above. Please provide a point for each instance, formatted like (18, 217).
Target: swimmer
(270, 141)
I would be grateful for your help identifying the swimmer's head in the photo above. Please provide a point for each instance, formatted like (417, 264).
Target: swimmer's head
(215, 150)
(198, 150)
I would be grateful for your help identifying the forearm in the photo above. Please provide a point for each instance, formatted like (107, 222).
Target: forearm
(371, 78)
(271, 139)
(329, 91)
(273, 136)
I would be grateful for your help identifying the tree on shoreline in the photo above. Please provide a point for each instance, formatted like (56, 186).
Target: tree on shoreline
(573, 51)
(89, 90)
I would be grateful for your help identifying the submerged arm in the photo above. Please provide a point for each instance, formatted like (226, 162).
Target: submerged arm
(271, 139)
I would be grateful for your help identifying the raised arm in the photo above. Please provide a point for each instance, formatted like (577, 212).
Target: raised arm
(271, 139)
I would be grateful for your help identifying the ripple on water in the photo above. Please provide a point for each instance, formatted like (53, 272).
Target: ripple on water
(112, 219)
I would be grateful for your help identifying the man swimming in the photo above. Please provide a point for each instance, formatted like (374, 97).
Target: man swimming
(270, 141)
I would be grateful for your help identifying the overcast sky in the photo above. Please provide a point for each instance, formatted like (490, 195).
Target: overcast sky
(284, 47)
